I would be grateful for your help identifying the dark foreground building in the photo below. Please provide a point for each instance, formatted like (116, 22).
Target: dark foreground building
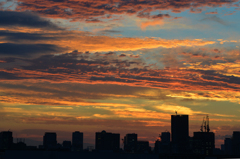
(130, 143)
(180, 134)
(203, 143)
(236, 143)
(107, 141)
(77, 141)
(6, 140)
(163, 146)
(50, 141)
(143, 147)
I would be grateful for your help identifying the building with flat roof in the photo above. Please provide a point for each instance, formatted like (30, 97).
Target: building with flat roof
(143, 147)
(203, 143)
(107, 141)
(6, 140)
(227, 146)
(130, 142)
(163, 146)
(236, 143)
(179, 133)
(50, 140)
(77, 141)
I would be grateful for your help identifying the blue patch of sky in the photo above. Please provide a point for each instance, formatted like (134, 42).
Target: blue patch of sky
(199, 25)
(8, 5)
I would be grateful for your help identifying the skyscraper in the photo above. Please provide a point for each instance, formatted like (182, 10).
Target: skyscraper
(165, 138)
(6, 139)
(236, 143)
(107, 141)
(163, 146)
(77, 141)
(228, 146)
(180, 133)
(130, 143)
(50, 140)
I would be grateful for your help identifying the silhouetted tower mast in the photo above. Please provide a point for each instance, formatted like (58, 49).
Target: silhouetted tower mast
(207, 121)
(202, 125)
(205, 124)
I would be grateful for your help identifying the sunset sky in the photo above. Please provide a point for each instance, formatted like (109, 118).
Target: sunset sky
(123, 66)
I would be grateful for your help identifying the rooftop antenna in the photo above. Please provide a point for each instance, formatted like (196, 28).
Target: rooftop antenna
(205, 124)
(177, 110)
(207, 121)
(202, 125)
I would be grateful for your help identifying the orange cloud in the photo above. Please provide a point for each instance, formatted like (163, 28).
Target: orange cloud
(97, 9)
(180, 109)
(105, 43)
(144, 25)
(84, 41)
(212, 12)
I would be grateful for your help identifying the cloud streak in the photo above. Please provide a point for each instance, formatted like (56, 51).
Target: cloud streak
(95, 10)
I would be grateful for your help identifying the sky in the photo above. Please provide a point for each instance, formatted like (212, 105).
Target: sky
(123, 66)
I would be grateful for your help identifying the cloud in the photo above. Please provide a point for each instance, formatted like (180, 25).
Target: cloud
(212, 12)
(26, 19)
(97, 9)
(21, 36)
(105, 43)
(179, 109)
(215, 19)
(110, 31)
(230, 13)
(144, 25)
(27, 49)
(62, 40)
(72, 94)
(101, 69)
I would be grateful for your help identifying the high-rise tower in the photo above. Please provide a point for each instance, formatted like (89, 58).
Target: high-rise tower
(77, 141)
(179, 133)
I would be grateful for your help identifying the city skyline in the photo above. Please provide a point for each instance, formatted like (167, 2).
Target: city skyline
(178, 142)
(123, 66)
(179, 134)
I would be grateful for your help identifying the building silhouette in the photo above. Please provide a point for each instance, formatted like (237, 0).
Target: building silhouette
(203, 143)
(143, 147)
(130, 143)
(107, 141)
(77, 141)
(66, 145)
(50, 140)
(179, 133)
(236, 143)
(6, 140)
(163, 146)
(178, 144)
(227, 146)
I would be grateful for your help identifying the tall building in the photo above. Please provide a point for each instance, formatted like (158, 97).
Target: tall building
(165, 138)
(6, 140)
(77, 141)
(107, 141)
(228, 146)
(130, 142)
(163, 146)
(50, 140)
(204, 143)
(236, 143)
(180, 133)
